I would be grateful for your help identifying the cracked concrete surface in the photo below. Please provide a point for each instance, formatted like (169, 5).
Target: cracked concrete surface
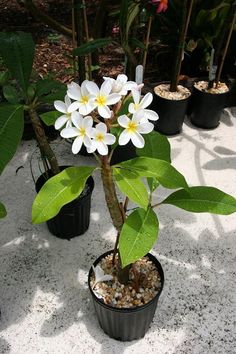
(44, 298)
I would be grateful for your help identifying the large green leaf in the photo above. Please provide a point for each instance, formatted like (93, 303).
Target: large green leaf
(138, 235)
(45, 86)
(91, 46)
(11, 130)
(203, 200)
(58, 191)
(51, 97)
(131, 185)
(49, 118)
(3, 211)
(10, 94)
(17, 51)
(156, 146)
(162, 170)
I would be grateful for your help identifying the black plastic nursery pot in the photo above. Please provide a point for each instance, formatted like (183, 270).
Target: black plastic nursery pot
(126, 324)
(123, 153)
(207, 108)
(73, 219)
(171, 114)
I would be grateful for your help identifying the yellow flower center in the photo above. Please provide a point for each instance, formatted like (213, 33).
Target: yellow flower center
(136, 106)
(82, 132)
(101, 100)
(132, 127)
(84, 99)
(99, 137)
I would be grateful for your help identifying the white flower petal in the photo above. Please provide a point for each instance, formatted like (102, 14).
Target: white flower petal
(76, 119)
(109, 139)
(136, 96)
(129, 85)
(137, 140)
(151, 115)
(69, 124)
(92, 147)
(60, 121)
(101, 128)
(132, 108)
(106, 88)
(67, 101)
(60, 106)
(102, 148)
(76, 146)
(122, 78)
(84, 90)
(145, 128)
(70, 132)
(124, 138)
(138, 116)
(73, 107)
(113, 98)
(104, 111)
(92, 88)
(123, 121)
(87, 122)
(74, 91)
(87, 141)
(146, 100)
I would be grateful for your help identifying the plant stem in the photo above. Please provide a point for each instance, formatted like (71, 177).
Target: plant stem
(42, 141)
(226, 46)
(116, 213)
(87, 39)
(147, 42)
(186, 14)
(80, 38)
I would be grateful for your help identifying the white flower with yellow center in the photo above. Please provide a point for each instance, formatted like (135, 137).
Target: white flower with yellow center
(81, 131)
(121, 85)
(100, 139)
(103, 98)
(134, 128)
(81, 96)
(66, 109)
(142, 104)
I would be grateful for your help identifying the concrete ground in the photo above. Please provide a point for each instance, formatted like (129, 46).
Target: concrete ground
(44, 298)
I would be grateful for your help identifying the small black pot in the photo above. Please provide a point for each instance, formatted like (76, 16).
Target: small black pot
(207, 108)
(171, 114)
(126, 324)
(123, 153)
(73, 219)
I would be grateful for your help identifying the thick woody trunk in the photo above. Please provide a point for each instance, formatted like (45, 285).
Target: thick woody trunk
(114, 210)
(42, 141)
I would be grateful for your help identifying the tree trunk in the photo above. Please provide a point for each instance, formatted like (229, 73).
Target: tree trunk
(42, 141)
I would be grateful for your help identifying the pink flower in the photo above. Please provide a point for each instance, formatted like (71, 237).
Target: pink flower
(161, 5)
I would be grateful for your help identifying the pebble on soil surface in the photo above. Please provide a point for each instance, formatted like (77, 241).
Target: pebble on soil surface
(143, 285)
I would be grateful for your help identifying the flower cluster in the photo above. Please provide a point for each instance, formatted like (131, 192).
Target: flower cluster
(161, 5)
(89, 118)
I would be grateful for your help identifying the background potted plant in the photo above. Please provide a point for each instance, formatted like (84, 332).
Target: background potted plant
(125, 283)
(209, 97)
(17, 50)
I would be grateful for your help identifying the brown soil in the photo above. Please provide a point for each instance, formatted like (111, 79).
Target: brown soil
(202, 86)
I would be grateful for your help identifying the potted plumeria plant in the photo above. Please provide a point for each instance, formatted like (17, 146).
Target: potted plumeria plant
(125, 282)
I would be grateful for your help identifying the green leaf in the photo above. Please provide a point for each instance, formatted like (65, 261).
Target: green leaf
(203, 200)
(130, 184)
(17, 51)
(10, 94)
(4, 78)
(152, 183)
(156, 146)
(49, 118)
(138, 235)
(58, 191)
(3, 211)
(134, 43)
(91, 46)
(51, 97)
(45, 86)
(11, 130)
(162, 170)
